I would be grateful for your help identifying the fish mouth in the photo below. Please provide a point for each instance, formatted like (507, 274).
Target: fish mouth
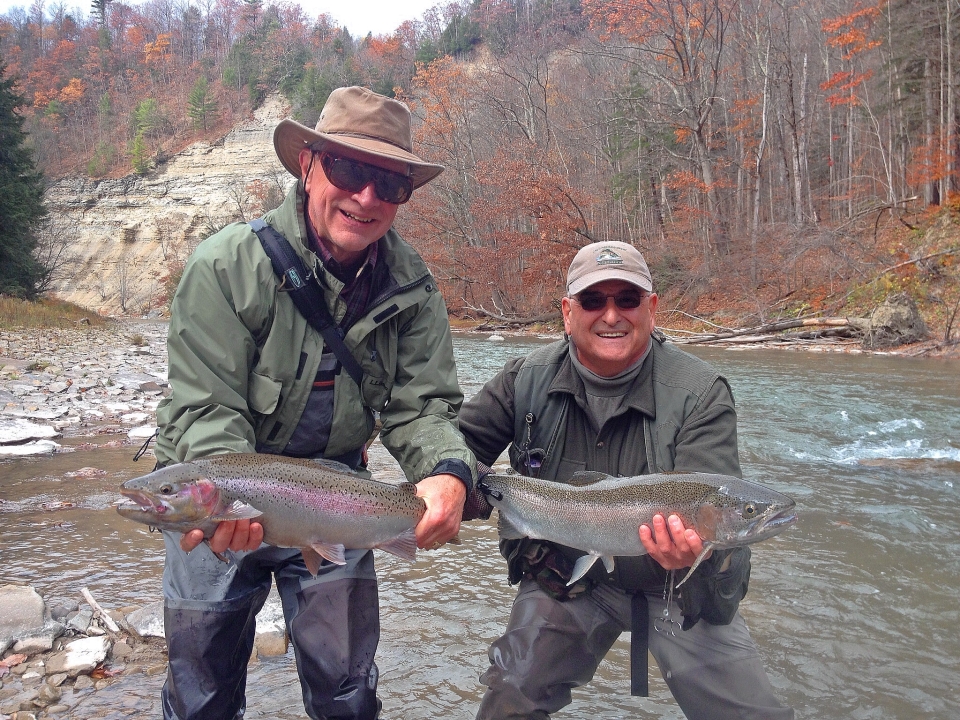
(140, 501)
(774, 524)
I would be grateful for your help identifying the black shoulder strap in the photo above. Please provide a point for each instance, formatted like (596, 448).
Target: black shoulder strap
(298, 282)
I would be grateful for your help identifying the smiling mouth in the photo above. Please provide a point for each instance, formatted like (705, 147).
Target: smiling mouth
(612, 335)
(357, 219)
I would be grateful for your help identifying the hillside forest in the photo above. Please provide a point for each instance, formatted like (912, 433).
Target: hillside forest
(770, 158)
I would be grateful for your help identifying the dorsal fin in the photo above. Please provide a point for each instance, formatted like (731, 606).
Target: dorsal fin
(587, 477)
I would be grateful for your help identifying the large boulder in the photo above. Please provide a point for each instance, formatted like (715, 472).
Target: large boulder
(895, 322)
(21, 611)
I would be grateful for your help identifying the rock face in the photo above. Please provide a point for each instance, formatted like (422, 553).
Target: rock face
(895, 322)
(125, 234)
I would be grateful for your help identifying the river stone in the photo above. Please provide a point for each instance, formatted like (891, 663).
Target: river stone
(271, 638)
(39, 639)
(48, 695)
(21, 610)
(147, 621)
(18, 430)
(81, 620)
(37, 447)
(79, 657)
(895, 322)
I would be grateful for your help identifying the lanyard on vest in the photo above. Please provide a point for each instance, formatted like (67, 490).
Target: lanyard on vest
(302, 288)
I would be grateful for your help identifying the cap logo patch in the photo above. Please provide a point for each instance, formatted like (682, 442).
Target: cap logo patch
(608, 257)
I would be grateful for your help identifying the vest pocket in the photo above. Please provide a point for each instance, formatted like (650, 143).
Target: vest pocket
(263, 394)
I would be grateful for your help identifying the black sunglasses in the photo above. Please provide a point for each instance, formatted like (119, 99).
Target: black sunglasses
(354, 176)
(593, 301)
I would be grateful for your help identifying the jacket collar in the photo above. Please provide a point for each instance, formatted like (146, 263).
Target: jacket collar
(639, 397)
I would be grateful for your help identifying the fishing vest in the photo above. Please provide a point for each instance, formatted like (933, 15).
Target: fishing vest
(680, 382)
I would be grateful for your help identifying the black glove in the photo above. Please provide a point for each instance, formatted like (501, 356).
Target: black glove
(712, 595)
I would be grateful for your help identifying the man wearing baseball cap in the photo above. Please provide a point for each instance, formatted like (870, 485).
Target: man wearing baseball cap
(614, 397)
(250, 373)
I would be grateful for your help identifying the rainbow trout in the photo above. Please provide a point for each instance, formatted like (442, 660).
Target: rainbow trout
(601, 515)
(304, 504)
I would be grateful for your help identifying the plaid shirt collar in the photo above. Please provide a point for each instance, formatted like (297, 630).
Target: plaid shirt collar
(356, 285)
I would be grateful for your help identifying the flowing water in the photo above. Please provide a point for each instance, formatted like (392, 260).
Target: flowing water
(855, 610)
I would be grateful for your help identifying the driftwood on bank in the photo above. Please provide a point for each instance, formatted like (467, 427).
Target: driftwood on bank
(834, 327)
(501, 320)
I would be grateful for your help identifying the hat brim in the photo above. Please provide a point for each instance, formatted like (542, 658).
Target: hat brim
(608, 273)
(290, 137)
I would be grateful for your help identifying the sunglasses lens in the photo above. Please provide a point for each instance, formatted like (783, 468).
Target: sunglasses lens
(393, 188)
(591, 302)
(354, 176)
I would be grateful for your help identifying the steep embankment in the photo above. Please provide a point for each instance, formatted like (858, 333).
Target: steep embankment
(125, 234)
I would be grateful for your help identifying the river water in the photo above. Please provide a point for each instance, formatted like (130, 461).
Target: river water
(855, 609)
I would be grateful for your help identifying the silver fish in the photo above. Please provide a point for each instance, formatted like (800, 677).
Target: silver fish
(300, 503)
(601, 515)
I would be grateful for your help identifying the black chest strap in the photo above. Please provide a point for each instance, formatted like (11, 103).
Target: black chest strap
(302, 287)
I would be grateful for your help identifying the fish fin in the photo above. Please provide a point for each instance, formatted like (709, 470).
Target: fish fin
(587, 477)
(333, 553)
(507, 530)
(334, 465)
(707, 547)
(237, 510)
(403, 545)
(312, 560)
(408, 487)
(607, 562)
(222, 557)
(583, 565)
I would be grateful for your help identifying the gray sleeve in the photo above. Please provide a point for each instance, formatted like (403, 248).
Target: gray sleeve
(707, 442)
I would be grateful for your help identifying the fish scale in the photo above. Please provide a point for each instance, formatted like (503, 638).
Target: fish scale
(601, 515)
(305, 504)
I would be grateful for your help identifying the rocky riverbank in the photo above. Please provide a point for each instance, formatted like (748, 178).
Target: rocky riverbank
(55, 651)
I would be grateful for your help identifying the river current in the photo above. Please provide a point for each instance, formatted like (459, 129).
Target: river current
(855, 610)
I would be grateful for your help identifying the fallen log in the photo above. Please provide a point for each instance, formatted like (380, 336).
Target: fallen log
(770, 331)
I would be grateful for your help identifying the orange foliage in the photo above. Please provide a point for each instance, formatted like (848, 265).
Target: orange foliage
(73, 92)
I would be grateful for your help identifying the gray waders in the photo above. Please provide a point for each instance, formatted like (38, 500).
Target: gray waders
(550, 647)
(210, 609)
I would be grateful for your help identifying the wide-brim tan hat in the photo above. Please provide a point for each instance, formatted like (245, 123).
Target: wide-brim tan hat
(359, 119)
(611, 260)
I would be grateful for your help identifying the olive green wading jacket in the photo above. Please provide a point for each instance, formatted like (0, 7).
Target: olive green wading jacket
(243, 359)
(679, 415)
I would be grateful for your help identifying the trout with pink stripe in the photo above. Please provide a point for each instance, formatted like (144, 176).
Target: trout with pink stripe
(308, 504)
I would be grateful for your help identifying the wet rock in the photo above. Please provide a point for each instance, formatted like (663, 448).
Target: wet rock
(80, 656)
(60, 608)
(147, 621)
(48, 695)
(18, 430)
(39, 639)
(895, 322)
(80, 621)
(21, 610)
(83, 682)
(271, 638)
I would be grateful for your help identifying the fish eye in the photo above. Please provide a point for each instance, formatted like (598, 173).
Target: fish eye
(749, 510)
(166, 489)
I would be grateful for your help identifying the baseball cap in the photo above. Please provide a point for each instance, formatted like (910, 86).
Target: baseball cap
(611, 260)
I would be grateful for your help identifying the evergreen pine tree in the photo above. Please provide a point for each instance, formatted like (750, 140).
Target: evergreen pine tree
(22, 208)
(201, 107)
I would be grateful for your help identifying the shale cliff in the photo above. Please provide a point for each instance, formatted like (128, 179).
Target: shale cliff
(124, 236)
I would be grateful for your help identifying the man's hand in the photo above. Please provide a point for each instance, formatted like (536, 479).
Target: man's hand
(670, 544)
(236, 535)
(444, 496)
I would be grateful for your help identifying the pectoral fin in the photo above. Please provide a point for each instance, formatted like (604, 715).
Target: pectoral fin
(403, 545)
(238, 510)
(707, 547)
(583, 565)
(507, 530)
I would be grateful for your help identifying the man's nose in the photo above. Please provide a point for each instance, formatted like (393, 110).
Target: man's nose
(367, 195)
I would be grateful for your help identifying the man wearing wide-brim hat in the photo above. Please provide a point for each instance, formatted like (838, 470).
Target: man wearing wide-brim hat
(249, 373)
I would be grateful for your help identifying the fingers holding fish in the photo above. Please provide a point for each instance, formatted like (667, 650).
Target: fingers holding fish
(444, 496)
(671, 544)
